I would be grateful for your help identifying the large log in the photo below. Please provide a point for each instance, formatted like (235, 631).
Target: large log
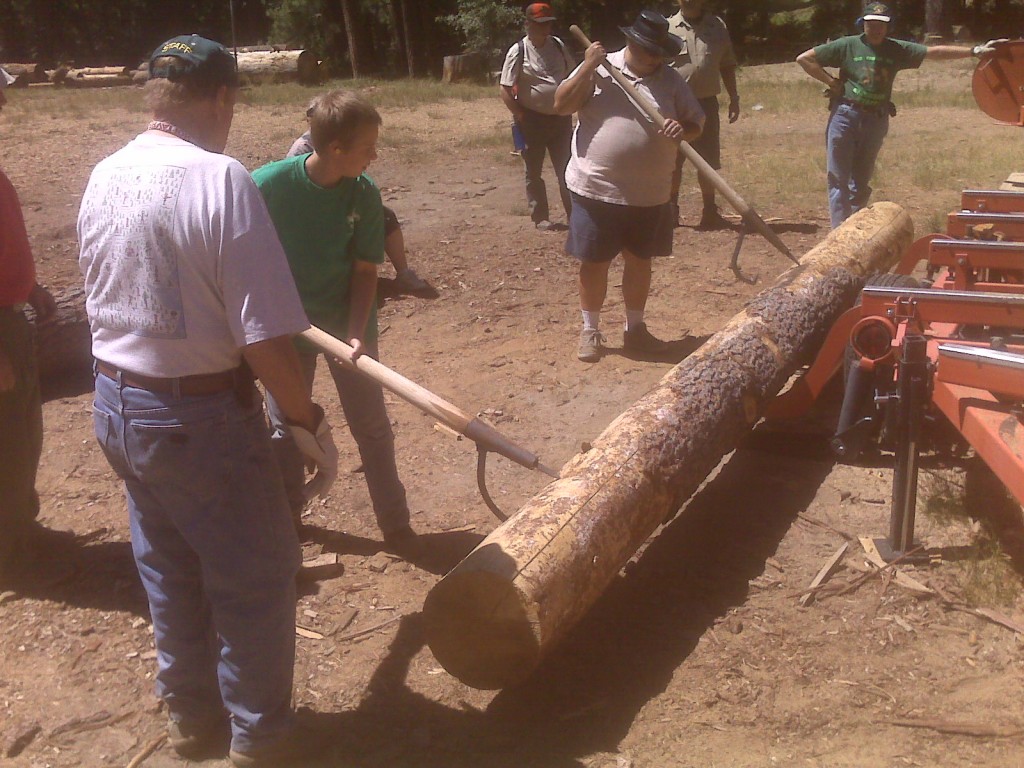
(64, 345)
(279, 67)
(497, 613)
(79, 79)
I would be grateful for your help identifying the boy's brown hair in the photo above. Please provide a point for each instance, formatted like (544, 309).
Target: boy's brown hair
(337, 115)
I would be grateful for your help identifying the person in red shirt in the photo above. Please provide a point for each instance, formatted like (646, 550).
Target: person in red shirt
(21, 414)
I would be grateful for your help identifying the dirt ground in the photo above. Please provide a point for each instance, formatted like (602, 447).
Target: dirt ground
(699, 654)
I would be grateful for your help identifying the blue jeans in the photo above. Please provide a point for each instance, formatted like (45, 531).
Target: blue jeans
(216, 551)
(551, 134)
(362, 400)
(853, 139)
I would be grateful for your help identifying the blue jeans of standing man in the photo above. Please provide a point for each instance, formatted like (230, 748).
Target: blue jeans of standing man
(362, 400)
(854, 137)
(551, 134)
(216, 550)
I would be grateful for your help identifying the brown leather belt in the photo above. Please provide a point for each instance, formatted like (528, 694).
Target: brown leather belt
(200, 384)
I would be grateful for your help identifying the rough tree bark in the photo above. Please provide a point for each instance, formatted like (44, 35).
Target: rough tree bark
(492, 618)
(408, 38)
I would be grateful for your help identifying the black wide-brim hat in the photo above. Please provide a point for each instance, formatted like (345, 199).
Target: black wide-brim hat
(650, 31)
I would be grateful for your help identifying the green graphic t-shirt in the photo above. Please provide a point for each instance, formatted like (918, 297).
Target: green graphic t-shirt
(324, 232)
(869, 71)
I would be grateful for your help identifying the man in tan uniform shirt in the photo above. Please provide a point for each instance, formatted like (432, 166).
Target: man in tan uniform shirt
(706, 61)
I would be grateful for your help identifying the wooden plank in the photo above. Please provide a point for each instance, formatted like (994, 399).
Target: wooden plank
(824, 573)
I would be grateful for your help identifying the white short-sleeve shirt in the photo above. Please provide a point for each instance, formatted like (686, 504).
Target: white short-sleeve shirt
(181, 261)
(617, 154)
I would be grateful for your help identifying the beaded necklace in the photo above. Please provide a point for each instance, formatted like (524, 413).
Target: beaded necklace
(160, 125)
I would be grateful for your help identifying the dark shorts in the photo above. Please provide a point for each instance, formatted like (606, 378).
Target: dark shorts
(599, 231)
(390, 221)
(709, 145)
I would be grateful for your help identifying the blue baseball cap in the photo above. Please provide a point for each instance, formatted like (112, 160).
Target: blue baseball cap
(195, 55)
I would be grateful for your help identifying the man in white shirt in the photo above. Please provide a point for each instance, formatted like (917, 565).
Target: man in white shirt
(533, 68)
(620, 174)
(189, 295)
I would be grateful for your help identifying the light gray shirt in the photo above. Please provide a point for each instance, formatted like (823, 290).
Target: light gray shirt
(617, 154)
(537, 73)
(707, 48)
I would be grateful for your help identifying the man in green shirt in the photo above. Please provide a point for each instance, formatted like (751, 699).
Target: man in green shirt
(861, 103)
(330, 219)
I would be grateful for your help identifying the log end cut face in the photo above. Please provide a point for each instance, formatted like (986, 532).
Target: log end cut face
(482, 629)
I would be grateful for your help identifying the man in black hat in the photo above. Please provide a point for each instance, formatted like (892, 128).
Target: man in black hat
(862, 99)
(189, 294)
(620, 174)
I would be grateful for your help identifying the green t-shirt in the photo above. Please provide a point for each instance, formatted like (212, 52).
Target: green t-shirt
(324, 232)
(868, 71)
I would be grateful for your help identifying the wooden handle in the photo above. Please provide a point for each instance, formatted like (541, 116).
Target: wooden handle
(650, 109)
(482, 434)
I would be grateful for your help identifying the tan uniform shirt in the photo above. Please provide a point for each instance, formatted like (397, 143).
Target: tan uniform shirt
(706, 49)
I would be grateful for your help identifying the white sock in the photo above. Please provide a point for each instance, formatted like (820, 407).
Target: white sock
(591, 320)
(634, 317)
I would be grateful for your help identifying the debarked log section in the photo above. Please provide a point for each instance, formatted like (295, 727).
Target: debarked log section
(497, 613)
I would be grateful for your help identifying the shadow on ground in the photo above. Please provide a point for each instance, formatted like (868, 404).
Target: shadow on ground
(586, 694)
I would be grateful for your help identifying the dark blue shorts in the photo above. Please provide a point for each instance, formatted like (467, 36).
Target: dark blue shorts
(599, 231)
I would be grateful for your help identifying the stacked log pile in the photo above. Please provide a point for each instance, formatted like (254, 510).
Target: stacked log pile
(97, 77)
(25, 74)
(256, 64)
(496, 614)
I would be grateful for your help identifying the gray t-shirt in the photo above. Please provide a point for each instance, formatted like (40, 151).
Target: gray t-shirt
(617, 154)
(181, 261)
(537, 73)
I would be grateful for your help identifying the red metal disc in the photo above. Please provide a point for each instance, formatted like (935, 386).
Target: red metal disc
(998, 83)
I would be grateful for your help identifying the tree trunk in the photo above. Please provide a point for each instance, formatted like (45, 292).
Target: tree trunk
(83, 79)
(408, 38)
(462, 68)
(279, 67)
(64, 345)
(348, 14)
(938, 23)
(492, 618)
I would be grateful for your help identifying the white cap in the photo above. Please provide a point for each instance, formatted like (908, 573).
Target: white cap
(6, 78)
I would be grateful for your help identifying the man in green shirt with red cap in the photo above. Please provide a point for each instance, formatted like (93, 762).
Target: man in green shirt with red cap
(861, 103)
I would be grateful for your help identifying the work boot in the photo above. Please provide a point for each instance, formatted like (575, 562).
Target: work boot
(199, 740)
(591, 342)
(642, 341)
(711, 219)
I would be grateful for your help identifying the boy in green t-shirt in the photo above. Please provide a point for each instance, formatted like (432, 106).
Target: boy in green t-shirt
(330, 219)
(861, 106)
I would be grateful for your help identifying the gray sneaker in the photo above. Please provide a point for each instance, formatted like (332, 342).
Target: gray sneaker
(591, 342)
(407, 280)
(641, 340)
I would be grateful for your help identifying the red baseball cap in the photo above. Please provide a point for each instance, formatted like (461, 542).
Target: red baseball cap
(539, 12)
